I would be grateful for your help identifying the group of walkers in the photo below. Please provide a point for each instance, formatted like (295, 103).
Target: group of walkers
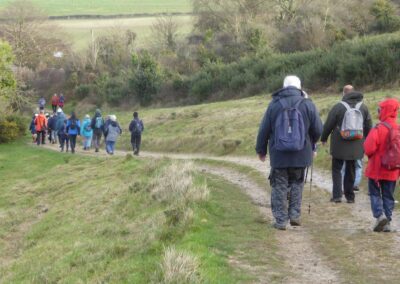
(290, 130)
(65, 130)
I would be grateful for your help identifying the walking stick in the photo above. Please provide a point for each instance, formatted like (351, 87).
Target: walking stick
(311, 180)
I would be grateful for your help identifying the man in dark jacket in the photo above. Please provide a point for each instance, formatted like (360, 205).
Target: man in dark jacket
(288, 167)
(136, 128)
(97, 125)
(345, 150)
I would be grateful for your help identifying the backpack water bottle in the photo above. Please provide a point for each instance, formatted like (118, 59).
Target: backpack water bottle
(353, 123)
(289, 128)
(391, 158)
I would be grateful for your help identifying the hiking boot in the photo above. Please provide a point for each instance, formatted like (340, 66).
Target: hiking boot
(279, 227)
(295, 222)
(381, 221)
(97, 150)
(350, 201)
(356, 188)
(336, 200)
(387, 228)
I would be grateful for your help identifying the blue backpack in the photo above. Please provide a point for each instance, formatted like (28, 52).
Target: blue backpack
(289, 128)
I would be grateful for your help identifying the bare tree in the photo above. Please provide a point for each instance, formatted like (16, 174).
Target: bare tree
(165, 32)
(33, 39)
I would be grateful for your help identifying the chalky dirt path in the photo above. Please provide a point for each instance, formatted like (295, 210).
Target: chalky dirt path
(307, 254)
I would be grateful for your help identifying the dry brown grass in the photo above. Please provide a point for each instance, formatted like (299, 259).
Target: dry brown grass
(175, 185)
(179, 267)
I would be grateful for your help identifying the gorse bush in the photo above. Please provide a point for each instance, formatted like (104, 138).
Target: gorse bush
(11, 128)
(364, 61)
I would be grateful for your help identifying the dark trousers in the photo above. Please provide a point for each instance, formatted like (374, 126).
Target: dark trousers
(63, 141)
(136, 140)
(72, 142)
(41, 137)
(54, 107)
(287, 184)
(381, 194)
(97, 139)
(347, 183)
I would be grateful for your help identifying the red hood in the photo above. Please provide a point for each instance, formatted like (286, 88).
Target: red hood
(388, 109)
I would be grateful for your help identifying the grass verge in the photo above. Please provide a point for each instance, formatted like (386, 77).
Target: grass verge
(67, 218)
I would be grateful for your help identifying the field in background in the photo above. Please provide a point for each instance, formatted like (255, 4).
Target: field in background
(79, 30)
(109, 7)
(220, 128)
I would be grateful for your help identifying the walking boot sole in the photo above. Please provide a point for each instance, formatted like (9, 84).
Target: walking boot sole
(381, 225)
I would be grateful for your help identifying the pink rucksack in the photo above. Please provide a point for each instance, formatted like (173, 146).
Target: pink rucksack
(391, 158)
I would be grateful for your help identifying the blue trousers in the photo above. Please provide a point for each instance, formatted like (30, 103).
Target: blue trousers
(359, 168)
(110, 146)
(382, 197)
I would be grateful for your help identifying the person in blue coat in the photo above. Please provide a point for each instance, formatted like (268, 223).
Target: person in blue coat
(73, 130)
(288, 165)
(87, 132)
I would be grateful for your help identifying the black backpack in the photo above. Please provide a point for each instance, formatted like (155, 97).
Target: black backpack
(73, 124)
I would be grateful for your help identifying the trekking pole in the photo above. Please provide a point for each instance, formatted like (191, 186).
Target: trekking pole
(305, 180)
(311, 180)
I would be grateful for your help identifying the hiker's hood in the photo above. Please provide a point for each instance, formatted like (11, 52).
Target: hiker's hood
(388, 109)
(353, 98)
(287, 92)
(87, 119)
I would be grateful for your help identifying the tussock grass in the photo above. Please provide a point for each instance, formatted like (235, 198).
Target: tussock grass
(179, 267)
(175, 185)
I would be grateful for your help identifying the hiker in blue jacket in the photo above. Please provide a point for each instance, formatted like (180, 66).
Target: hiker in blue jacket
(289, 129)
(136, 128)
(87, 133)
(73, 130)
(97, 125)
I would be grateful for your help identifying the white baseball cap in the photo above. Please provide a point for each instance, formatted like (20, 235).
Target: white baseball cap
(292, 81)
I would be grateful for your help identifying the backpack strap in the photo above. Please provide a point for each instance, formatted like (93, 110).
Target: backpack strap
(346, 105)
(358, 106)
(386, 124)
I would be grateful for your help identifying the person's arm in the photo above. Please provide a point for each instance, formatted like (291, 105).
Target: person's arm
(263, 136)
(78, 125)
(131, 126)
(316, 127)
(371, 143)
(330, 124)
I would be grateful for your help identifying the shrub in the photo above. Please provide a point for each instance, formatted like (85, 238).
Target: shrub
(82, 91)
(11, 128)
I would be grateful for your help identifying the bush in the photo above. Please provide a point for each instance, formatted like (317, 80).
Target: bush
(366, 61)
(11, 128)
(82, 91)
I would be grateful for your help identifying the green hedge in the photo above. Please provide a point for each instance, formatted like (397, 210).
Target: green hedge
(373, 60)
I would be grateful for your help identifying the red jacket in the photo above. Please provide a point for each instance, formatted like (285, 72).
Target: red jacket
(41, 122)
(54, 101)
(376, 143)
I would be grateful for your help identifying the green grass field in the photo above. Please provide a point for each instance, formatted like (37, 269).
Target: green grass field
(109, 7)
(74, 219)
(79, 30)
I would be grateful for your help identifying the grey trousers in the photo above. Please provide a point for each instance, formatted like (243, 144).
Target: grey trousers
(287, 190)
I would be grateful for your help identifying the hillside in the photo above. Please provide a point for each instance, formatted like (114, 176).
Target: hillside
(109, 7)
(220, 128)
